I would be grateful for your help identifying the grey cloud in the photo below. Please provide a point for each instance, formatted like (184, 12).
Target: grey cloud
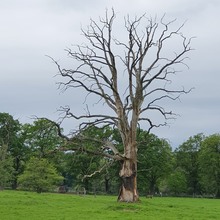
(32, 29)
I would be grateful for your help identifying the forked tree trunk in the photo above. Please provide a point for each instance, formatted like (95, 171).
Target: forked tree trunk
(128, 174)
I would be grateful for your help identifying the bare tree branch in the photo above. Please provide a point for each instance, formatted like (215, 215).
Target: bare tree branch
(106, 165)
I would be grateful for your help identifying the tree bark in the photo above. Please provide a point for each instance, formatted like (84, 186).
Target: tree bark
(107, 184)
(17, 167)
(128, 174)
(218, 194)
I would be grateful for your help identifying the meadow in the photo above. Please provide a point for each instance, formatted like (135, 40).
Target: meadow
(18, 205)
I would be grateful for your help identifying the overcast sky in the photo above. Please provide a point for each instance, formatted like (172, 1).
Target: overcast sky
(32, 29)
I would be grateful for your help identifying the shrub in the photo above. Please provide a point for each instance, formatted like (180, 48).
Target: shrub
(39, 175)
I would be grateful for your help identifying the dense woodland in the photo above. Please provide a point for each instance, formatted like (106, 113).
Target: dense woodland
(34, 157)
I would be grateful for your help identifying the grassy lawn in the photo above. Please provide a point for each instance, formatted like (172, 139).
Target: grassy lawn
(26, 205)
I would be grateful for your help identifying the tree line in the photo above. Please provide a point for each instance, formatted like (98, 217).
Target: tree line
(34, 157)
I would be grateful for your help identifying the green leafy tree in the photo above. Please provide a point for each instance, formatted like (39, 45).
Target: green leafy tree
(209, 165)
(177, 182)
(39, 175)
(187, 159)
(21, 153)
(6, 168)
(8, 130)
(82, 168)
(155, 162)
(87, 168)
(42, 138)
(11, 145)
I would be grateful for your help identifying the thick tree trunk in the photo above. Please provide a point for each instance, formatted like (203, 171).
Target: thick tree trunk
(107, 184)
(218, 193)
(17, 167)
(128, 174)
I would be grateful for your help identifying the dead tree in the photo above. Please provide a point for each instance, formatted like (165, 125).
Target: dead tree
(132, 77)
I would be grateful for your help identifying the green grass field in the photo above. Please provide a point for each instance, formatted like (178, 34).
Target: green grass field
(26, 205)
